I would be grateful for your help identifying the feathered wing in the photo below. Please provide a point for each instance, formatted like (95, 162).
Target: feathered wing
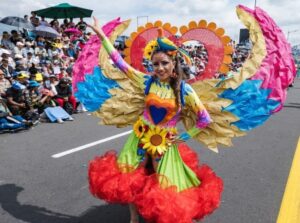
(249, 97)
(109, 93)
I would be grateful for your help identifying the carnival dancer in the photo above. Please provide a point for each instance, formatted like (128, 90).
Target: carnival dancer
(154, 142)
(156, 173)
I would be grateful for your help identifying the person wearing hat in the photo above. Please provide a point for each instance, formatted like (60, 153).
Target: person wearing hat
(18, 49)
(16, 99)
(22, 78)
(34, 95)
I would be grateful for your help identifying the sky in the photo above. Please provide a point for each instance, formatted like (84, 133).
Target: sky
(177, 12)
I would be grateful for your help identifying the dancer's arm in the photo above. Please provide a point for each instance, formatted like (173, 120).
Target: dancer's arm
(133, 74)
(203, 118)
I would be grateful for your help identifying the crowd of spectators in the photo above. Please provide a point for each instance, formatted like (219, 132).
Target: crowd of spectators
(36, 74)
(36, 71)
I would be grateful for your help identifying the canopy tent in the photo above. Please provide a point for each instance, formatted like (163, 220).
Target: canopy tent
(64, 10)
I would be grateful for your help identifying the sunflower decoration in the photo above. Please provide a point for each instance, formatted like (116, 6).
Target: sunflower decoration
(139, 128)
(154, 140)
(150, 47)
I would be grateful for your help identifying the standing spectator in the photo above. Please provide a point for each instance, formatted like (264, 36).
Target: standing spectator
(32, 17)
(81, 25)
(71, 24)
(43, 22)
(4, 84)
(26, 18)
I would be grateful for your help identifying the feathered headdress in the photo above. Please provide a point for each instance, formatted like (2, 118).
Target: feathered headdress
(163, 44)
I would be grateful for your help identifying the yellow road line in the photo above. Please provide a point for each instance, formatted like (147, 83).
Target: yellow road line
(290, 205)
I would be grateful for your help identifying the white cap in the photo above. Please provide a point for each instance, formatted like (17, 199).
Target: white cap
(18, 56)
(19, 44)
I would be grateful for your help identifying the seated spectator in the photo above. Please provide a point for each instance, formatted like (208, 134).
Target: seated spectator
(4, 84)
(9, 122)
(15, 37)
(29, 60)
(6, 42)
(16, 99)
(64, 96)
(40, 50)
(34, 95)
(19, 48)
(7, 70)
(53, 81)
(27, 49)
(50, 109)
(22, 78)
(7, 56)
(71, 51)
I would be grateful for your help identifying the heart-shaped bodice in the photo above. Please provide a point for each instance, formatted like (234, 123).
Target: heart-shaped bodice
(160, 111)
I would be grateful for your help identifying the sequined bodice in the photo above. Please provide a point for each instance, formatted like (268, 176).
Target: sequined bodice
(160, 105)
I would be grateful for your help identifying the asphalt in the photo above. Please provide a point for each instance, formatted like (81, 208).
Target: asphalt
(36, 188)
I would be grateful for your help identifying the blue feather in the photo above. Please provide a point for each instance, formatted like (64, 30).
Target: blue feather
(94, 91)
(250, 104)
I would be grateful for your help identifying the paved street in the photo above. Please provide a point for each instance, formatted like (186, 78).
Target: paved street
(36, 188)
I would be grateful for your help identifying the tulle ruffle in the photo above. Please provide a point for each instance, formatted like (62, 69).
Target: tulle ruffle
(107, 182)
(154, 203)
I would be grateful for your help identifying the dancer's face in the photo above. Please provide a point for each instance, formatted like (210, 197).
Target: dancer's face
(163, 66)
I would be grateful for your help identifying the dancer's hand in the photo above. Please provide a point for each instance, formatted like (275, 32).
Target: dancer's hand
(96, 28)
(173, 139)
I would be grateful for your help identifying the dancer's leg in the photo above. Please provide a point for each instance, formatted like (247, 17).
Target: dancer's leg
(134, 217)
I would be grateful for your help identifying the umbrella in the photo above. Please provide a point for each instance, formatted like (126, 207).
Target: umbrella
(7, 28)
(17, 22)
(64, 10)
(46, 31)
(73, 31)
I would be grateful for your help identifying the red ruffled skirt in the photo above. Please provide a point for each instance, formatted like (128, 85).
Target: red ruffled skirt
(154, 203)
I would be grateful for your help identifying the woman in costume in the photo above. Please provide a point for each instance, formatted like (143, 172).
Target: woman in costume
(176, 188)
(155, 138)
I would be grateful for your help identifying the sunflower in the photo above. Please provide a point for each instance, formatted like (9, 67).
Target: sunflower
(148, 50)
(139, 128)
(154, 140)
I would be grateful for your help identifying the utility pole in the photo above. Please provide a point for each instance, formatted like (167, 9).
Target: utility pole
(140, 17)
(137, 21)
(291, 31)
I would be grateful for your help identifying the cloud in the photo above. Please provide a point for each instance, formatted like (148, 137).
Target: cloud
(178, 12)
